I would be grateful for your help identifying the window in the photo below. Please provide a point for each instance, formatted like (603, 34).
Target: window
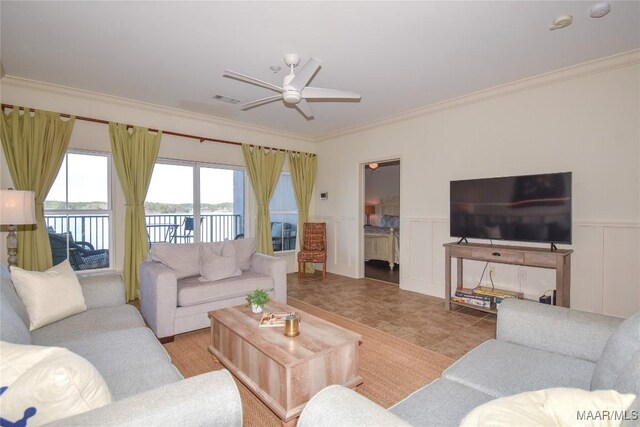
(284, 215)
(78, 211)
(191, 202)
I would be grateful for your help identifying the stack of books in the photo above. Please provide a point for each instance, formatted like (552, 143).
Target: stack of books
(498, 294)
(468, 296)
(484, 297)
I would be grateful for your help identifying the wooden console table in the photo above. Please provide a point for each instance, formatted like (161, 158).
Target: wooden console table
(560, 260)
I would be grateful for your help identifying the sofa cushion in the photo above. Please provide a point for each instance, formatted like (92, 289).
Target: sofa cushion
(245, 248)
(130, 360)
(214, 266)
(134, 381)
(91, 322)
(501, 369)
(620, 348)
(191, 291)
(49, 295)
(13, 316)
(441, 403)
(184, 258)
(47, 384)
(550, 407)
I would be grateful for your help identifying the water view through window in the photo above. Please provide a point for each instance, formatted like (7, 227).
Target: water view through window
(189, 203)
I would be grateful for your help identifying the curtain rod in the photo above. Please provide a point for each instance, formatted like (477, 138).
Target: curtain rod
(166, 132)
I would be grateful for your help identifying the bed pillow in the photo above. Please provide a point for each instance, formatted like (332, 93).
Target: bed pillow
(40, 385)
(390, 221)
(50, 295)
(551, 407)
(217, 267)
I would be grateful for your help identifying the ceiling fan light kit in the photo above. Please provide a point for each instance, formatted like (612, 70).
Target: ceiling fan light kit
(294, 90)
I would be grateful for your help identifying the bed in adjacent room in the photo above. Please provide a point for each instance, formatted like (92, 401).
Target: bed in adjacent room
(383, 242)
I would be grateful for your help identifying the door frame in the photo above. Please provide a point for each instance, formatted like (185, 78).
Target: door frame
(360, 223)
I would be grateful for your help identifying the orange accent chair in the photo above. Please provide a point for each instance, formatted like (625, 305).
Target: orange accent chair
(314, 246)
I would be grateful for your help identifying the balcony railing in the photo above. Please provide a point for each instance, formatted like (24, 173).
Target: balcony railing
(179, 228)
(173, 228)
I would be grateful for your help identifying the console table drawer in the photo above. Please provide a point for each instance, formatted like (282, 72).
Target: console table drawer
(540, 260)
(501, 256)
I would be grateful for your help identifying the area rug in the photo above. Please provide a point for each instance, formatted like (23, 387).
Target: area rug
(391, 368)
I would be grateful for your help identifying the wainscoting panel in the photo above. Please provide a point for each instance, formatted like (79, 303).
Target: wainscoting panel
(587, 267)
(415, 242)
(605, 271)
(342, 235)
(621, 293)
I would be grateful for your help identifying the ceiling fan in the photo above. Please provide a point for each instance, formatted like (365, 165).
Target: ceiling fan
(294, 90)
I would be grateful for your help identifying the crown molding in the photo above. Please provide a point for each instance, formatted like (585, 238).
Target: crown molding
(86, 95)
(563, 74)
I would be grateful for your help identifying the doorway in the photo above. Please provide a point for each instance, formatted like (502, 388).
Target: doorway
(382, 220)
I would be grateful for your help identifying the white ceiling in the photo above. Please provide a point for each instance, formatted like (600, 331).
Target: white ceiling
(399, 55)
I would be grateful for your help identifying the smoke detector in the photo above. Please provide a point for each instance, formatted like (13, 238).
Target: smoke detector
(561, 22)
(599, 10)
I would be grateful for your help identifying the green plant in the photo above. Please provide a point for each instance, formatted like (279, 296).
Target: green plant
(258, 297)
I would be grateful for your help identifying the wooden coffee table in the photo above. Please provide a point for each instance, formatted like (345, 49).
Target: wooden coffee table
(284, 372)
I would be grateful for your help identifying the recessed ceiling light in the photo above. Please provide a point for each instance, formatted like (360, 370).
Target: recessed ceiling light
(275, 68)
(561, 22)
(226, 99)
(599, 10)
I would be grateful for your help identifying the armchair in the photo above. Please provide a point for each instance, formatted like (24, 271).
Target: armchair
(82, 255)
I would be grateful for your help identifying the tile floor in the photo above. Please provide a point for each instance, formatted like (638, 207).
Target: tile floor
(415, 317)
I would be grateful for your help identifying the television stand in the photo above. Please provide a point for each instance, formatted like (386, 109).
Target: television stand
(558, 260)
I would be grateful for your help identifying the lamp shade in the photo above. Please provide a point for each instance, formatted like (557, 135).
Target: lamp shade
(370, 209)
(17, 207)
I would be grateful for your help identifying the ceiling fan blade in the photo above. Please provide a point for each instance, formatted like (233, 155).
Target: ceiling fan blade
(304, 108)
(322, 93)
(304, 75)
(247, 79)
(262, 101)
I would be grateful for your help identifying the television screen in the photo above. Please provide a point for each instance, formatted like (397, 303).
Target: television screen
(529, 208)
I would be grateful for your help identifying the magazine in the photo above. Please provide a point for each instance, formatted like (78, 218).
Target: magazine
(273, 320)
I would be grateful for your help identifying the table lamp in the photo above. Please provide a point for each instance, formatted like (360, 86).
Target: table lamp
(16, 208)
(369, 210)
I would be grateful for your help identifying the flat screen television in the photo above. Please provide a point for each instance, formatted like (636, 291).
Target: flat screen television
(528, 208)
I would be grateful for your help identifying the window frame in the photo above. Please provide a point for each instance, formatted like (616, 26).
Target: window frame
(197, 224)
(278, 212)
(109, 211)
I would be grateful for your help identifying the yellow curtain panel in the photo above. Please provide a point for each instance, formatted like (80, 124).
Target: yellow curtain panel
(134, 155)
(264, 167)
(302, 167)
(34, 144)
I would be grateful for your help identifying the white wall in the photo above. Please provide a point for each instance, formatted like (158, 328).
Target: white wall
(94, 136)
(585, 120)
(380, 184)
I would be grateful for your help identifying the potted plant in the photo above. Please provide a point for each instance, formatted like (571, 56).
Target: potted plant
(257, 299)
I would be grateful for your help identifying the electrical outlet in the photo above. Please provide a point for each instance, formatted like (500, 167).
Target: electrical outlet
(492, 274)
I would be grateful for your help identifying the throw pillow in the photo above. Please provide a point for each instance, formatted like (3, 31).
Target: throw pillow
(245, 248)
(553, 407)
(40, 385)
(50, 295)
(217, 267)
(184, 258)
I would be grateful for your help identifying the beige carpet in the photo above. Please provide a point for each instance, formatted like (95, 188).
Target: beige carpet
(391, 368)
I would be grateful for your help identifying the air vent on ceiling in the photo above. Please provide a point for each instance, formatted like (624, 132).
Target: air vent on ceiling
(226, 99)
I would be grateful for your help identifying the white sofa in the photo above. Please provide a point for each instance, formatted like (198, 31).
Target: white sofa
(538, 346)
(146, 389)
(174, 299)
